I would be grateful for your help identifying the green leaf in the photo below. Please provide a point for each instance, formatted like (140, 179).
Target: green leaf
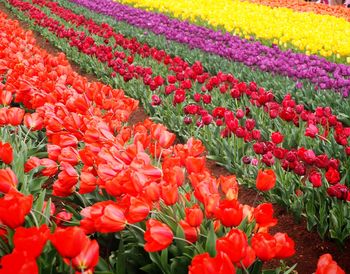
(210, 245)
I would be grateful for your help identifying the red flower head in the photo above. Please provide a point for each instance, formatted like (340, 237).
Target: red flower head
(234, 244)
(230, 213)
(14, 207)
(6, 153)
(8, 180)
(277, 137)
(158, 236)
(194, 216)
(204, 264)
(332, 176)
(33, 121)
(315, 178)
(266, 180)
(31, 240)
(326, 265)
(264, 246)
(18, 263)
(190, 232)
(15, 116)
(88, 257)
(284, 246)
(263, 215)
(70, 241)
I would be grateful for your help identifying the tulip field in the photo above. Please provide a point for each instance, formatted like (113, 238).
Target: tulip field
(149, 136)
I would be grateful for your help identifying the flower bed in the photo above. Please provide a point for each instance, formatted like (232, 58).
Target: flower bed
(322, 73)
(243, 132)
(76, 179)
(282, 26)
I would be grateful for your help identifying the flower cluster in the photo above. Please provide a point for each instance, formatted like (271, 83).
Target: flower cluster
(276, 25)
(322, 73)
(128, 170)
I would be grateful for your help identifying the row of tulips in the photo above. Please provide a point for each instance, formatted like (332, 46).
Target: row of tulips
(131, 50)
(306, 164)
(285, 27)
(322, 73)
(77, 178)
(303, 6)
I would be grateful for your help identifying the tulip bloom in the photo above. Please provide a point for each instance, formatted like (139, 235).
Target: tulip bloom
(18, 262)
(234, 244)
(8, 180)
(263, 215)
(15, 116)
(70, 241)
(194, 216)
(190, 232)
(31, 240)
(158, 236)
(265, 180)
(326, 265)
(33, 121)
(230, 213)
(6, 153)
(88, 257)
(204, 264)
(14, 207)
(264, 246)
(284, 246)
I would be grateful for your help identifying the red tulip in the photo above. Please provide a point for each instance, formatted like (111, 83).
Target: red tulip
(315, 178)
(326, 265)
(6, 153)
(88, 182)
(158, 236)
(195, 164)
(15, 116)
(14, 206)
(263, 215)
(190, 232)
(8, 180)
(230, 213)
(138, 210)
(169, 193)
(234, 244)
(284, 246)
(194, 216)
(5, 97)
(265, 180)
(277, 137)
(248, 259)
(31, 240)
(332, 176)
(50, 167)
(18, 263)
(70, 241)
(33, 121)
(264, 246)
(204, 264)
(88, 257)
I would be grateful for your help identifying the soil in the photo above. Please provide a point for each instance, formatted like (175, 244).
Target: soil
(309, 246)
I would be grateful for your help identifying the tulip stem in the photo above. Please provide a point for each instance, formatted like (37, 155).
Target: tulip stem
(188, 242)
(245, 270)
(137, 227)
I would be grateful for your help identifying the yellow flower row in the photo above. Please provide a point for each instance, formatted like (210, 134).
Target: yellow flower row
(309, 32)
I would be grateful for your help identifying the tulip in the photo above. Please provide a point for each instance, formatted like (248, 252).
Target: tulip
(88, 257)
(265, 180)
(194, 216)
(14, 207)
(158, 236)
(230, 213)
(234, 244)
(284, 246)
(264, 246)
(190, 232)
(31, 240)
(18, 262)
(70, 241)
(6, 153)
(8, 180)
(326, 265)
(204, 264)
